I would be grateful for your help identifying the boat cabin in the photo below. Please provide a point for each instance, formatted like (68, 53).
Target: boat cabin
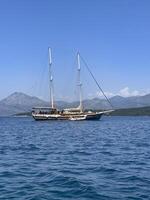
(72, 110)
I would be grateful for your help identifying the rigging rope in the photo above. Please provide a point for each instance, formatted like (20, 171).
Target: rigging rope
(96, 82)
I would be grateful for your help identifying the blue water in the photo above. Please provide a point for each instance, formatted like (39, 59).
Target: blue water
(63, 160)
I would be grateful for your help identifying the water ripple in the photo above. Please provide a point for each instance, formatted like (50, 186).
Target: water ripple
(107, 159)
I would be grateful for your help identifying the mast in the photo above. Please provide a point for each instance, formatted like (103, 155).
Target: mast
(79, 82)
(51, 78)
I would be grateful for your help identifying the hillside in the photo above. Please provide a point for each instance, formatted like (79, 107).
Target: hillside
(144, 111)
(20, 102)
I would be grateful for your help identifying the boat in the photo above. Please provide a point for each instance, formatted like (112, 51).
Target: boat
(73, 114)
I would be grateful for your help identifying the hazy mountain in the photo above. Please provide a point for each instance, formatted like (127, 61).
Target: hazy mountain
(20, 102)
(22, 99)
(130, 102)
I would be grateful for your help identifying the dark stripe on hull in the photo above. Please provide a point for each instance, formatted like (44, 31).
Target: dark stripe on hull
(95, 117)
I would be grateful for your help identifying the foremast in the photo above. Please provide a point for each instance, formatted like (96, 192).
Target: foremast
(51, 79)
(79, 83)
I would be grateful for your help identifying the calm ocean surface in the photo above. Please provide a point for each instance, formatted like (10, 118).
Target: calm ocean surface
(63, 160)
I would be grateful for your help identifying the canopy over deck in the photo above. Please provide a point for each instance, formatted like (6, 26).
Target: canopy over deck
(43, 108)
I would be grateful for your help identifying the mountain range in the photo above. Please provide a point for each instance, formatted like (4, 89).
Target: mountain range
(19, 102)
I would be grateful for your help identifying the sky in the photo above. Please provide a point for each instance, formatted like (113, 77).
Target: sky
(113, 36)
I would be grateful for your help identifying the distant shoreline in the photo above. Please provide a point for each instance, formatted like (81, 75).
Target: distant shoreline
(142, 111)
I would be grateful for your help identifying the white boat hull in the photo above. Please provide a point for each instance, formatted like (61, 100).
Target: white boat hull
(75, 117)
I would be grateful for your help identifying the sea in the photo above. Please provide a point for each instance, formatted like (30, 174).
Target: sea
(107, 159)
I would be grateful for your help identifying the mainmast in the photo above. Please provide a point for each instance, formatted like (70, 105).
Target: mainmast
(51, 78)
(79, 82)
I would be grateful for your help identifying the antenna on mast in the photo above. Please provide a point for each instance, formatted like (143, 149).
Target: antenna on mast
(79, 82)
(51, 78)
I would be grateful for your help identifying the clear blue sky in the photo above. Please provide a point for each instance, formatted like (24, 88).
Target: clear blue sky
(112, 35)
